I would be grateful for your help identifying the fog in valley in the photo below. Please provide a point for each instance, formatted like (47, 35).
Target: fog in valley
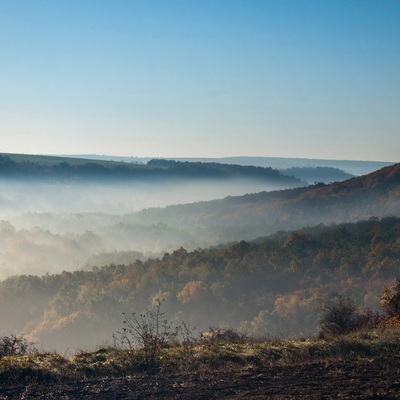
(75, 255)
(18, 196)
(47, 227)
(234, 162)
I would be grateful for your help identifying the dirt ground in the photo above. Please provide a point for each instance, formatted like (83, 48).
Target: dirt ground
(377, 378)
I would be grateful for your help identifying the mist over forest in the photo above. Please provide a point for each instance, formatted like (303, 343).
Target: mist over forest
(235, 247)
(272, 286)
(48, 225)
(61, 213)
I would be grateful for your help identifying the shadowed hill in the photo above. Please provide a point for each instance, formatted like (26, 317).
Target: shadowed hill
(314, 175)
(48, 167)
(246, 217)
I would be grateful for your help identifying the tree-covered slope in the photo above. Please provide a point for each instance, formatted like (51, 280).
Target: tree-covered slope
(270, 286)
(314, 175)
(252, 215)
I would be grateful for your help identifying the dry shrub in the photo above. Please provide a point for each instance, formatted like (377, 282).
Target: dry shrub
(147, 334)
(217, 335)
(343, 316)
(14, 345)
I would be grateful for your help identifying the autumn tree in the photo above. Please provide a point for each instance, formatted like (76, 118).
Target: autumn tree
(390, 301)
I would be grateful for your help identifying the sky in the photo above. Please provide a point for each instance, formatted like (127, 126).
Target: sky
(204, 78)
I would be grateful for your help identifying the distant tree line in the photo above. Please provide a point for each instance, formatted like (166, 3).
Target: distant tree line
(153, 169)
(212, 169)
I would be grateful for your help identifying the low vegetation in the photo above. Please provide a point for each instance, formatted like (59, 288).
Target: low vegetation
(14, 345)
(150, 343)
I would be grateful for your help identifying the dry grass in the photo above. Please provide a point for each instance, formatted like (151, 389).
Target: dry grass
(198, 356)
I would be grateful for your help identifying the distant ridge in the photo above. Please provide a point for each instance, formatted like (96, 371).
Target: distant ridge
(66, 168)
(353, 167)
(386, 179)
(374, 195)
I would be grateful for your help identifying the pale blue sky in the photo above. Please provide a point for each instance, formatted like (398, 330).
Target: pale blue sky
(205, 78)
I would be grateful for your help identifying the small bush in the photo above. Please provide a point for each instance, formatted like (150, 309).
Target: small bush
(216, 335)
(343, 316)
(14, 345)
(149, 333)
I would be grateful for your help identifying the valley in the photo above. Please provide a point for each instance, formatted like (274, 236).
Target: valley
(257, 262)
(263, 264)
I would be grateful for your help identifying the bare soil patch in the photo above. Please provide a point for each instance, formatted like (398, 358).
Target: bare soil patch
(377, 378)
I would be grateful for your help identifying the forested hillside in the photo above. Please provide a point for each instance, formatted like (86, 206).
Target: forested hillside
(59, 168)
(314, 175)
(246, 217)
(270, 286)
(51, 227)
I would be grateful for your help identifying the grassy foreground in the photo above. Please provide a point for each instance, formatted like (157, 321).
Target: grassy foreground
(46, 367)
